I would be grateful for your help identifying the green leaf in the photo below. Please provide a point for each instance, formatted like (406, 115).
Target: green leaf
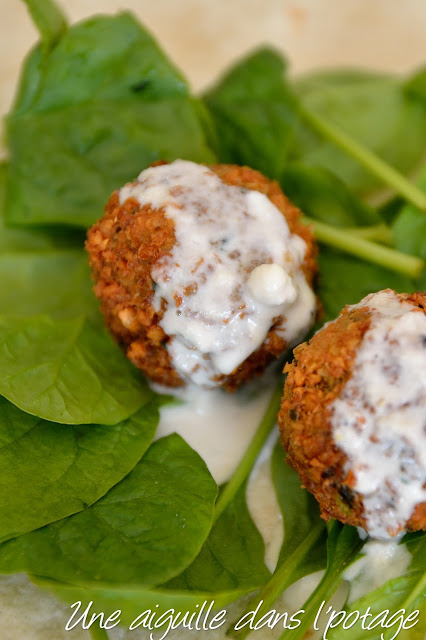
(98, 108)
(374, 110)
(346, 280)
(144, 531)
(300, 514)
(255, 113)
(323, 196)
(343, 546)
(406, 592)
(12, 239)
(98, 633)
(232, 557)
(54, 282)
(304, 547)
(409, 231)
(67, 371)
(132, 601)
(415, 86)
(49, 20)
(260, 119)
(48, 471)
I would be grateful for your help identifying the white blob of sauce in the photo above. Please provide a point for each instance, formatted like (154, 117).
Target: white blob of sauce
(271, 284)
(223, 233)
(381, 560)
(379, 420)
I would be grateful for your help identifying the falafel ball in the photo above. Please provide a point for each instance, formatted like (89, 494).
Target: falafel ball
(204, 274)
(353, 414)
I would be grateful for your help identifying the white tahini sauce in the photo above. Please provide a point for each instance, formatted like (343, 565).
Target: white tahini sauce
(381, 560)
(219, 305)
(379, 420)
(217, 424)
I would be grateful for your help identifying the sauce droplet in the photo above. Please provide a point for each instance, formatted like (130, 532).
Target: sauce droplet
(271, 284)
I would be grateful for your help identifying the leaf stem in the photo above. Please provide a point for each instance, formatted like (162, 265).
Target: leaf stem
(345, 240)
(376, 233)
(373, 163)
(246, 463)
(98, 634)
(281, 579)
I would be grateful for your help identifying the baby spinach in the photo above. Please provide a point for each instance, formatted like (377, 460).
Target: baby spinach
(409, 230)
(300, 514)
(133, 600)
(373, 109)
(66, 370)
(255, 113)
(232, 556)
(406, 592)
(261, 118)
(55, 282)
(346, 280)
(304, 547)
(322, 195)
(48, 471)
(145, 530)
(21, 239)
(343, 546)
(415, 86)
(49, 20)
(343, 279)
(98, 107)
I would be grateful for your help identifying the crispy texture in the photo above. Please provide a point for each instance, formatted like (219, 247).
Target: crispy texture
(123, 247)
(315, 379)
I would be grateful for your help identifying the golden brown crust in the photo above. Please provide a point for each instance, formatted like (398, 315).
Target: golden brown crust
(123, 247)
(315, 379)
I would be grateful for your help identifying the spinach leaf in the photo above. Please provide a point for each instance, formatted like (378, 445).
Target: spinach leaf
(300, 514)
(409, 231)
(67, 371)
(343, 546)
(133, 600)
(55, 282)
(406, 592)
(389, 209)
(322, 195)
(144, 531)
(304, 547)
(232, 556)
(346, 280)
(49, 20)
(260, 122)
(223, 578)
(415, 86)
(372, 108)
(19, 239)
(98, 108)
(255, 113)
(48, 471)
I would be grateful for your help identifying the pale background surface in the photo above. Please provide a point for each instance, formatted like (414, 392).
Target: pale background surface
(202, 37)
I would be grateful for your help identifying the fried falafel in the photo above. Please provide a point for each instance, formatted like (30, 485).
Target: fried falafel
(353, 414)
(204, 273)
